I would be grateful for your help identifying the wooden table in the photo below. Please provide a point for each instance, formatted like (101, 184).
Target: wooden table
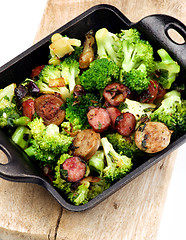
(134, 212)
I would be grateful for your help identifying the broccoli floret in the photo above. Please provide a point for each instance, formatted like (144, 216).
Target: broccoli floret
(80, 194)
(107, 45)
(101, 72)
(167, 69)
(49, 138)
(137, 109)
(96, 163)
(137, 61)
(172, 112)
(49, 73)
(41, 156)
(97, 187)
(9, 114)
(136, 79)
(77, 108)
(117, 165)
(70, 71)
(131, 35)
(125, 146)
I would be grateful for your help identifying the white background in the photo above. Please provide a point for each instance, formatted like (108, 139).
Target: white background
(19, 21)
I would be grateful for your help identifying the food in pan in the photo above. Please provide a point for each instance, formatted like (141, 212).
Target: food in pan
(96, 110)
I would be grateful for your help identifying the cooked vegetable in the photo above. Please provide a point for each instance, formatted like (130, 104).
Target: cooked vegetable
(70, 71)
(9, 114)
(167, 69)
(117, 166)
(77, 108)
(87, 55)
(21, 136)
(61, 46)
(172, 112)
(101, 72)
(48, 74)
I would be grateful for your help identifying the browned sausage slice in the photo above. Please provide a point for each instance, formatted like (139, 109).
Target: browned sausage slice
(99, 119)
(125, 124)
(86, 143)
(48, 108)
(113, 113)
(115, 93)
(152, 137)
(75, 167)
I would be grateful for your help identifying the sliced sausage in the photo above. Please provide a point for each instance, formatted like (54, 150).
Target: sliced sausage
(152, 137)
(99, 119)
(75, 168)
(115, 93)
(113, 113)
(28, 108)
(36, 71)
(125, 124)
(86, 143)
(48, 108)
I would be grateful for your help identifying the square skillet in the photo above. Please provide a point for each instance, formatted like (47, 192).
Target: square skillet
(153, 28)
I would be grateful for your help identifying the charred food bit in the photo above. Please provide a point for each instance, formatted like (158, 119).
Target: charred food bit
(115, 93)
(152, 137)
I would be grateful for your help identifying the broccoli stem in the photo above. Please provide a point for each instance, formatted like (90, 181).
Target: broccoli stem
(21, 136)
(22, 121)
(30, 151)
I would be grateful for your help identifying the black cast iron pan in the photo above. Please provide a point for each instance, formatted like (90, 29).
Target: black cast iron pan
(154, 28)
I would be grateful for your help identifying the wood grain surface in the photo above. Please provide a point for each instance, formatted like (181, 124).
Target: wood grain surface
(134, 212)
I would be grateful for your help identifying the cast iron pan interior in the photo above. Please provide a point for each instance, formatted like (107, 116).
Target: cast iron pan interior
(154, 28)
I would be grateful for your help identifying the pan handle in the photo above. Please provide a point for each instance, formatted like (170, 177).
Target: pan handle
(19, 167)
(156, 27)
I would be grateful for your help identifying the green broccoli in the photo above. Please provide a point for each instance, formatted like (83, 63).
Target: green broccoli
(166, 69)
(117, 165)
(70, 71)
(131, 35)
(41, 156)
(172, 112)
(9, 114)
(125, 146)
(77, 108)
(47, 141)
(107, 45)
(80, 194)
(137, 61)
(100, 73)
(49, 73)
(96, 163)
(49, 137)
(97, 187)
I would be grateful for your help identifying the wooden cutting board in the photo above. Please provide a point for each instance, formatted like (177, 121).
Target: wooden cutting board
(133, 213)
